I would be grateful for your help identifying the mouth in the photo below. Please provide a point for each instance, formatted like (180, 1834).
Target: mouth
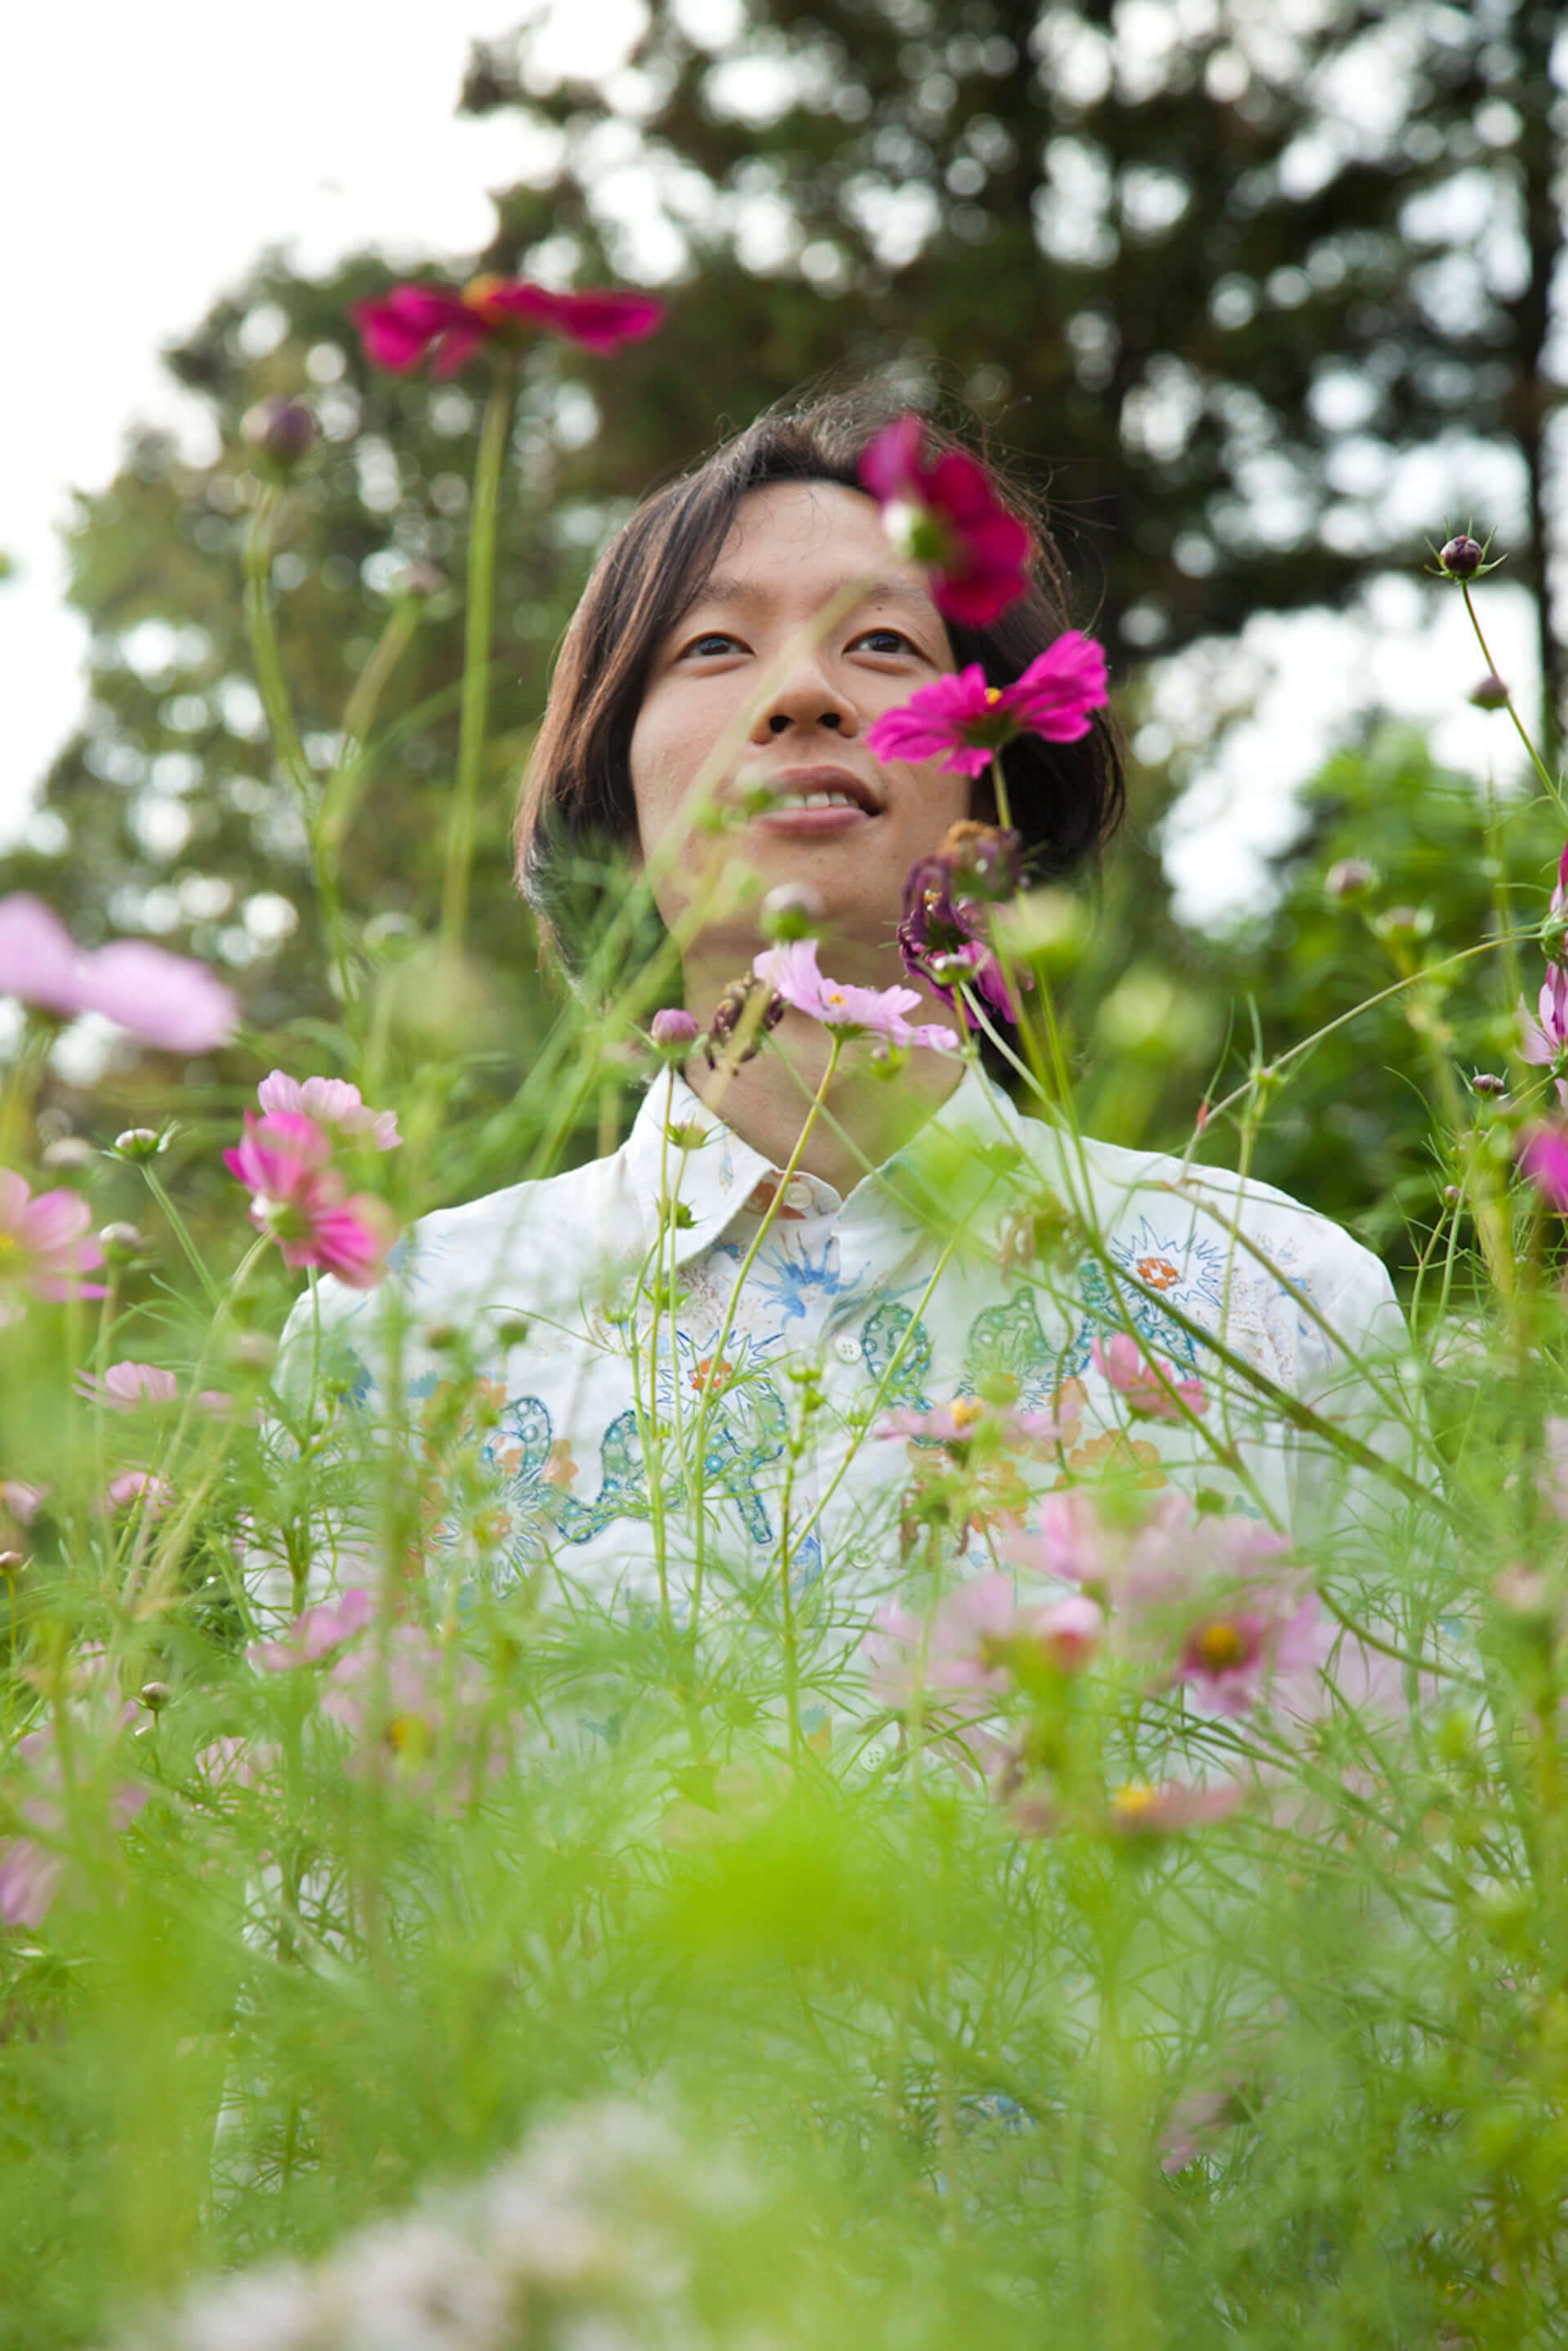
(818, 799)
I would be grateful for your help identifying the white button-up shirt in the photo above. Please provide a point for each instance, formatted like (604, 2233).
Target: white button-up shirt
(606, 1404)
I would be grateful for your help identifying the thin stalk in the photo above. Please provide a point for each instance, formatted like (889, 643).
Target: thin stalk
(493, 436)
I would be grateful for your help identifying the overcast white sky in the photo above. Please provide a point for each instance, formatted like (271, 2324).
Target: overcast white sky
(148, 153)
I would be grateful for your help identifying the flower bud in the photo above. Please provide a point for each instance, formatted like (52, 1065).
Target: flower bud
(422, 582)
(1491, 693)
(138, 1143)
(69, 1152)
(1352, 878)
(279, 430)
(793, 911)
(1405, 923)
(155, 1695)
(1461, 557)
(1486, 1082)
(121, 1241)
(674, 1031)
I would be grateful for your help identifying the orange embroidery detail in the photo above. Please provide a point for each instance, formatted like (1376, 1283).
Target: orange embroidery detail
(1158, 1272)
(560, 1469)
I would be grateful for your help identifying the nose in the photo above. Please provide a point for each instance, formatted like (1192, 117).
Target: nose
(806, 698)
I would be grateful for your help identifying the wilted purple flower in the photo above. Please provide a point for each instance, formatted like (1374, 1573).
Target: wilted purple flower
(947, 899)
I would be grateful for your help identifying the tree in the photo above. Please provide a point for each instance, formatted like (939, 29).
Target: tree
(1221, 266)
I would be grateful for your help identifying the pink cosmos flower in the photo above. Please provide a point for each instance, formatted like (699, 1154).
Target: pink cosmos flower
(1543, 1041)
(1139, 1378)
(1140, 1810)
(942, 512)
(133, 1488)
(944, 1664)
(126, 1387)
(1195, 2118)
(400, 327)
(31, 1867)
(166, 1000)
(1072, 1541)
(298, 1200)
(315, 1634)
(1542, 1154)
(45, 1247)
(966, 722)
(959, 1423)
(336, 1106)
(416, 1698)
(22, 1501)
(1232, 1651)
(791, 972)
(1553, 1485)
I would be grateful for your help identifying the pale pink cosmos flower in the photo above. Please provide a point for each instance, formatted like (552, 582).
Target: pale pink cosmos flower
(1195, 2118)
(1150, 1384)
(791, 972)
(417, 1698)
(1543, 1041)
(334, 1105)
(1073, 1542)
(167, 1001)
(129, 1386)
(298, 1199)
(315, 1634)
(138, 1488)
(45, 1246)
(31, 1866)
(965, 722)
(22, 1501)
(967, 1417)
(941, 512)
(1138, 1810)
(1230, 1653)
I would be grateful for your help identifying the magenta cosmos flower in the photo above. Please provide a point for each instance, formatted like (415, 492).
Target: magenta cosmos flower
(1543, 1157)
(965, 722)
(942, 513)
(45, 1246)
(335, 1106)
(167, 1001)
(298, 1199)
(1150, 1384)
(792, 973)
(400, 327)
(1545, 1039)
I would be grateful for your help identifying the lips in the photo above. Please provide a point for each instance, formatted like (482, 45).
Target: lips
(821, 789)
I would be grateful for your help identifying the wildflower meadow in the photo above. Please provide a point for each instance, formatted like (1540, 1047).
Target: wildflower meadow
(1117, 1892)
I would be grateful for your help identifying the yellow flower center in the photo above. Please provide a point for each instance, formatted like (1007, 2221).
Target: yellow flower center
(1133, 1801)
(993, 694)
(479, 293)
(966, 1412)
(9, 1246)
(1220, 1645)
(409, 1734)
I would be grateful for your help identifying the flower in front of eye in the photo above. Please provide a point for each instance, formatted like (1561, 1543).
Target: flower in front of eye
(45, 1248)
(791, 972)
(942, 513)
(965, 722)
(399, 328)
(334, 1105)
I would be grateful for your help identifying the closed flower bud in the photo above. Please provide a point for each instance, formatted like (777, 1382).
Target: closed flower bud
(155, 1695)
(1351, 878)
(121, 1241)
(422, 580)
(279, 430)
(70, 1151)
(1491, 693)
(1461, 557)
(138, 1143)
(1485, 1081)
(674, 1030)
(793, 911)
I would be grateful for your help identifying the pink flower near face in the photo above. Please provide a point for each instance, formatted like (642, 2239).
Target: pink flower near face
(1149, 1384)
(791, 972)
(402, 327)
(45, 1246)
(298, 1200)
(941, 512)
(965, 722)
(315, 1634)
(334, 1105)
(166, 1000)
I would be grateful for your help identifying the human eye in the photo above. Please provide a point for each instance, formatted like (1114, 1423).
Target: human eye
(708, 644)
(887, 640)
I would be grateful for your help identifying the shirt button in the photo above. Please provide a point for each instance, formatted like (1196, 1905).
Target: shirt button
(847, 1350)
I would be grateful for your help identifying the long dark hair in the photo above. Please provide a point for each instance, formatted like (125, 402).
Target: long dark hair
(576, 804)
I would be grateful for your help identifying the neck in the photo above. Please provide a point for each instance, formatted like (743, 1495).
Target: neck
(864, 1117)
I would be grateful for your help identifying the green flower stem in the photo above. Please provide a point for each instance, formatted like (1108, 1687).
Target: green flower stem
(178, 1226)
(493, 436)
(1000, 788)
(1519, 728)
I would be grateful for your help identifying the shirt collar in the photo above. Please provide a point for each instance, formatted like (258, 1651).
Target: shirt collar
(680, 1154)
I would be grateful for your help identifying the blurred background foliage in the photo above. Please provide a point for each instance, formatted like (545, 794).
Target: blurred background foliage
(1227, 277)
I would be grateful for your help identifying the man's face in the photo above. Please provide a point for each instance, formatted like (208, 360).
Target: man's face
(847, 826)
